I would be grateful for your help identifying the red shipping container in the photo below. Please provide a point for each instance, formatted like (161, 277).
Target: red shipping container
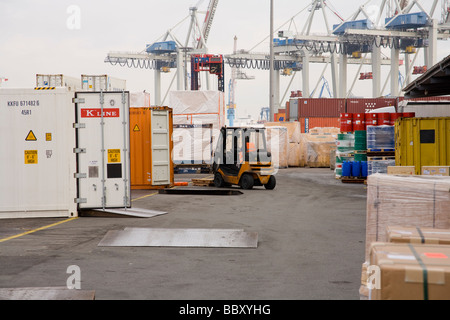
(321, 107)
(309, 123)
(366, 105)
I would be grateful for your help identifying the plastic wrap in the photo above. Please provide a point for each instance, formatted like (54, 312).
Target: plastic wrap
(293, 129)
(294, 155)
(409, 201)
(196, 108)
(191, 107)
(325, 130)
(193, 144)
(278, 145)
(380, 137)
(140, 99)
(315, 149)
(379, 166)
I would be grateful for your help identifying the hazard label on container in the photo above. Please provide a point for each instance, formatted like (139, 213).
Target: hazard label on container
(31, 136)
(31, 157)
(113, 155)
(136, 128)
(48, 136)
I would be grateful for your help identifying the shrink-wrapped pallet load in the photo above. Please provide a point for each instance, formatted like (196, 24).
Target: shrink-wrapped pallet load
(315, 149)
(294, 155)
(278, 146)
(409, 201)
(140, 99)
(325, 130)
(196, 109)
(293, 129)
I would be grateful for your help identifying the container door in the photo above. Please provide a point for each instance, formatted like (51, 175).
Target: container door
(160, 131)
(103, 146)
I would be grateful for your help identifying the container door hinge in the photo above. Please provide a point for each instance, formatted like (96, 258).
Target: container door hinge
(78, 100)
(80, 175)
(80, 200)
(79, 125)
(79, 150)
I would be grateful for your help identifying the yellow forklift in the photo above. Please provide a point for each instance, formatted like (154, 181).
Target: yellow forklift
(241, 158)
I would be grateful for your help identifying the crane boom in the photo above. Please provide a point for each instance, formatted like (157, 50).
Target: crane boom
(209, 19)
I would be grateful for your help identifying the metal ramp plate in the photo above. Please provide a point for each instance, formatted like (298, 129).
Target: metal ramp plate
(204, 192)
(46, 293)
(128, 212)
(156, 237)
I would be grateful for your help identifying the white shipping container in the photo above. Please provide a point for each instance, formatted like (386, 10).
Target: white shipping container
(102, 83)
(103, 144)
(428, 109)
(58, 80)
(37, 160)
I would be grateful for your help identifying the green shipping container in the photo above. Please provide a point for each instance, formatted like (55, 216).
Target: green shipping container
(422, 142)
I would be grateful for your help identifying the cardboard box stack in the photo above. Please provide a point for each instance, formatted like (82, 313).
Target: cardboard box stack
(407, 236)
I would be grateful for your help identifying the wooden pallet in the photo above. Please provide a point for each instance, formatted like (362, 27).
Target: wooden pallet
(381, 154)
(204, 182)
(372, 158)
(353, 180)
(380, 150)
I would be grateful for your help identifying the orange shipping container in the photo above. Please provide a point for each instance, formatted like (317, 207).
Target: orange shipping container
(151, 148)
(309, 123)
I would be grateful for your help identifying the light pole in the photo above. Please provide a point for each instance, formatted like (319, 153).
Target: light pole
(272, 67)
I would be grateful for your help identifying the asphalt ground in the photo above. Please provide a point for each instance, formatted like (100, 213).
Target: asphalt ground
(311, 233)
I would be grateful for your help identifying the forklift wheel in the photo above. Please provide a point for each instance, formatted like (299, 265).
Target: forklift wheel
(247, 181)
(271, 183)
(218, 180)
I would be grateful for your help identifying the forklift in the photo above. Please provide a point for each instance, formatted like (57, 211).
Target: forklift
(241, 158)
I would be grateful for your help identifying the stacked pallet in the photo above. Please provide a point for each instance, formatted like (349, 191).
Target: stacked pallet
(407, 253)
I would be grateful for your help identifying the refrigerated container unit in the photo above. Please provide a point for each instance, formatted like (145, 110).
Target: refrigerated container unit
(64, 152)
(38, 165)
(103, 149)
(58, 80)
(102, 83)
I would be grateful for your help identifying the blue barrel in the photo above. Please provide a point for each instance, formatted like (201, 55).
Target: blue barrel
(356, 169)
(347, 168)
(364, 169)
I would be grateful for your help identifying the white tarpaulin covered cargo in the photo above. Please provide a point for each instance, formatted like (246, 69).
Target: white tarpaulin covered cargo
(199, 109)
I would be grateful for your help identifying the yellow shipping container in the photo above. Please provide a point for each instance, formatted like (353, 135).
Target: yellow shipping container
(151, 148)
(422, 142)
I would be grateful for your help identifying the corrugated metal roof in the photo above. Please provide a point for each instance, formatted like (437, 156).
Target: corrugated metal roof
(434, 82)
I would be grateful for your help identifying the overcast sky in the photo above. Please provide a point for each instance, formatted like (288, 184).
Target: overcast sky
(45, 37)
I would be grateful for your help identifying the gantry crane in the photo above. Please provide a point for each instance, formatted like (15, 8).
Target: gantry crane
(169, 52)
(351, 41)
